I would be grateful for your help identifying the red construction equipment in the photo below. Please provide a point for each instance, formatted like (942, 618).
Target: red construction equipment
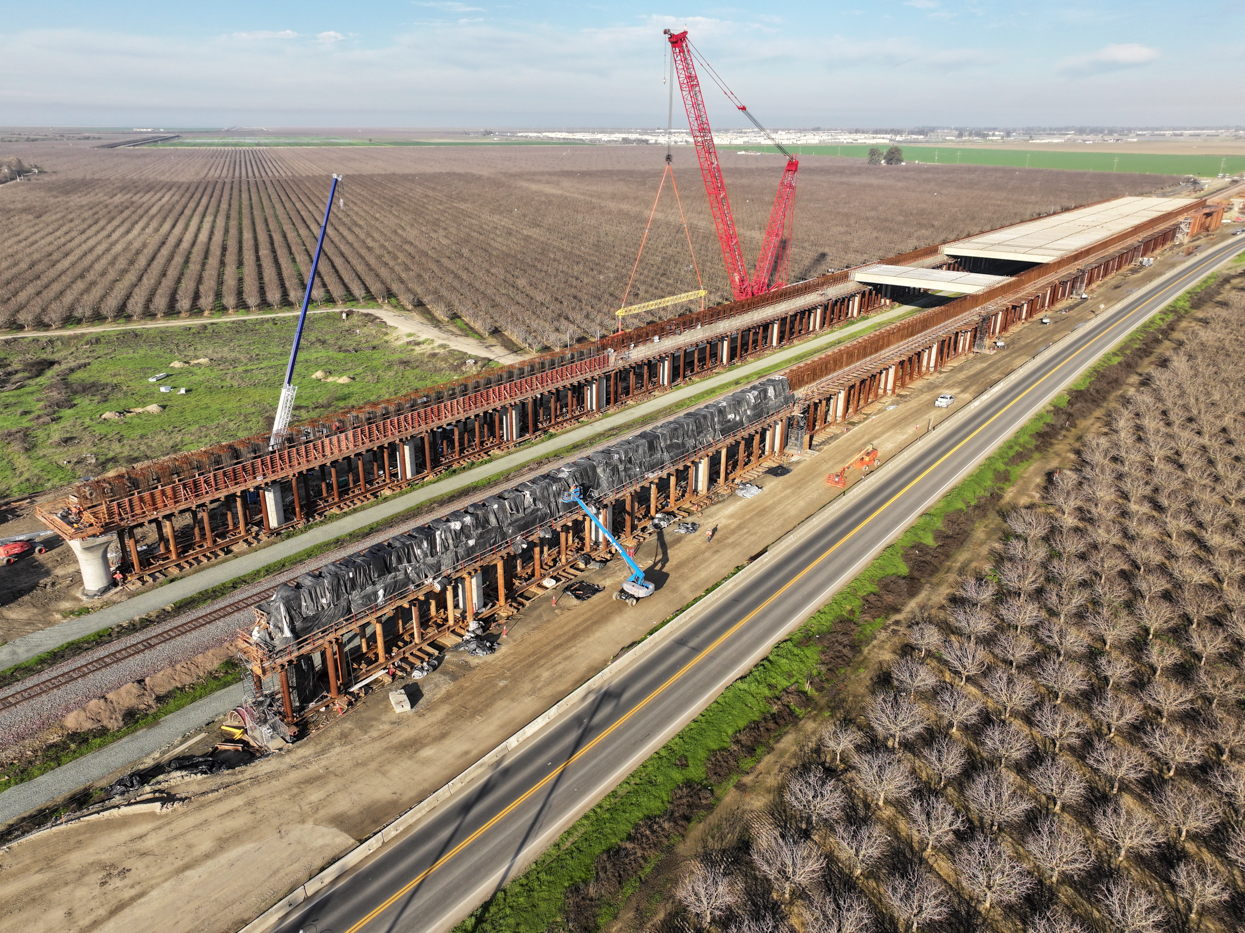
(774, 260)
(864, 460)
(12, 551)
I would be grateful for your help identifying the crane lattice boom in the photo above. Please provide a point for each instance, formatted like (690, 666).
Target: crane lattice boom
(763, 280)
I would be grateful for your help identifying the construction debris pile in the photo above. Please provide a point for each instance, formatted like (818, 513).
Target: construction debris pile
(425, 555)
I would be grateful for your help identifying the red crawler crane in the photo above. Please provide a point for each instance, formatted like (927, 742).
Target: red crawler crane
(771, 268)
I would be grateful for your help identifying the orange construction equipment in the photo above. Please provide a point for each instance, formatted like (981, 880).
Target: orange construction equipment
(864, 460)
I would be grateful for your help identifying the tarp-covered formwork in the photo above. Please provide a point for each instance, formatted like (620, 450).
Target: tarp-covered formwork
(425, 554)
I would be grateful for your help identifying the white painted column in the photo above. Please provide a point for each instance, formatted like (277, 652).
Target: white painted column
(92, 554)
(409, 461)
(821, 310)
(840, 405)
(773, 334)
(725, 355)
(890, 381)
(274, 506)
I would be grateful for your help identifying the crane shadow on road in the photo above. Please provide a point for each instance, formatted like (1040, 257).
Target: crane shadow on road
(598, 715)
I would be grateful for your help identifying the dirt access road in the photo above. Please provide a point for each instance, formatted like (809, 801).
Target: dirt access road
(257, 833)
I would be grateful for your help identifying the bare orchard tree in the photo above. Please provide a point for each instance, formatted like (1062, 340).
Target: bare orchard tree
(1199, 889)
(1062, 678)
(883, 775)
(847, 912)
(1012, 692)
(896, 718)
(1118, 764)
(1055, 920)
(1115, 669)
(1110, 628)
(1156, 618)
(965, 659)
(1058, 851)
(1128, 829)
(839, 739)
(991, 875)
(815, 796)
(1059, 780)
(925, 637)
(1020, 613)
(1185, 810)
(977, 591)
(708, 891)
(994, 799)
(946, 758)
(1229, 783)
(913, 676)
(1129, 908)
(1224, 733)
(1162, 656)
(1116, 711)
(1173, 747)
(1219, 683)
(1028, 522)
(1207, 643)
(787, 862)
(957, 708)
(1067, 640)
(1059, 725)
(1016, 648)
(1019, 576)
(934, 823)
(1168, 698)
(1006, 743)
(861, 846)
(917, 900)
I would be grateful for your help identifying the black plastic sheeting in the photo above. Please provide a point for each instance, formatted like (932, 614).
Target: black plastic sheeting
(422, 555)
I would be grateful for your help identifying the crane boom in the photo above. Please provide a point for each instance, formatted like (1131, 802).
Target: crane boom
(771, 262)
(710, 170)
(635, 585)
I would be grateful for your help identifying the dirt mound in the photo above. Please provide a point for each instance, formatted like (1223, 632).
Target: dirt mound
(188, 671)
(109, 711)
(178, 364)
(113, 416)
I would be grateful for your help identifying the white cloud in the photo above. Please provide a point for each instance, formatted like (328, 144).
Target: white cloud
(328, 38)
(265, 34)
(1110, 58)
(448, 6)
(922, 4)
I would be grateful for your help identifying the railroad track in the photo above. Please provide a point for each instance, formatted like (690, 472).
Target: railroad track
(106, 659)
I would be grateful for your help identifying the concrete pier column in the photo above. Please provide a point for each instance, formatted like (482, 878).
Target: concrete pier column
(477, 591)
(702, 476)
(724, 357)
(92, 554)
(890, 381)
(773, 334)
(274, 504)
(408, 455)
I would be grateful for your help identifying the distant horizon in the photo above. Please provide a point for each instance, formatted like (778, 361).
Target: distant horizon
(451, 64)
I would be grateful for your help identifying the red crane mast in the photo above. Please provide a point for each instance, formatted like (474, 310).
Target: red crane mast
(780, 218)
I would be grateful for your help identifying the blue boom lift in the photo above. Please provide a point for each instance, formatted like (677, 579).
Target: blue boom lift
(635, 587)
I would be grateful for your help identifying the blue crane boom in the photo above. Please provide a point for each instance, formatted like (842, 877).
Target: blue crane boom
(285, 406)
(635, 585)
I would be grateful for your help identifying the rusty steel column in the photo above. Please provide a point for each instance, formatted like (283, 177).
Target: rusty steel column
(501, 583)
(628, 513)
(207, 525)
(330, 666)
(286, 703)
(379, 625)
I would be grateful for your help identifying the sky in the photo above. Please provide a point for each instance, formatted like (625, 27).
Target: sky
(477, 64)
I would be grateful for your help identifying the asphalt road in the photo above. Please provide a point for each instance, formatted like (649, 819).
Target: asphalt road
(484, 835)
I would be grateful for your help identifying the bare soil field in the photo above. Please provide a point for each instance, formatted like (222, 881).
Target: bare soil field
(534, 242)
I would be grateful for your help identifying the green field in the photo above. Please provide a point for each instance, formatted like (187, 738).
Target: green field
(1146, 163)
(54, 389)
